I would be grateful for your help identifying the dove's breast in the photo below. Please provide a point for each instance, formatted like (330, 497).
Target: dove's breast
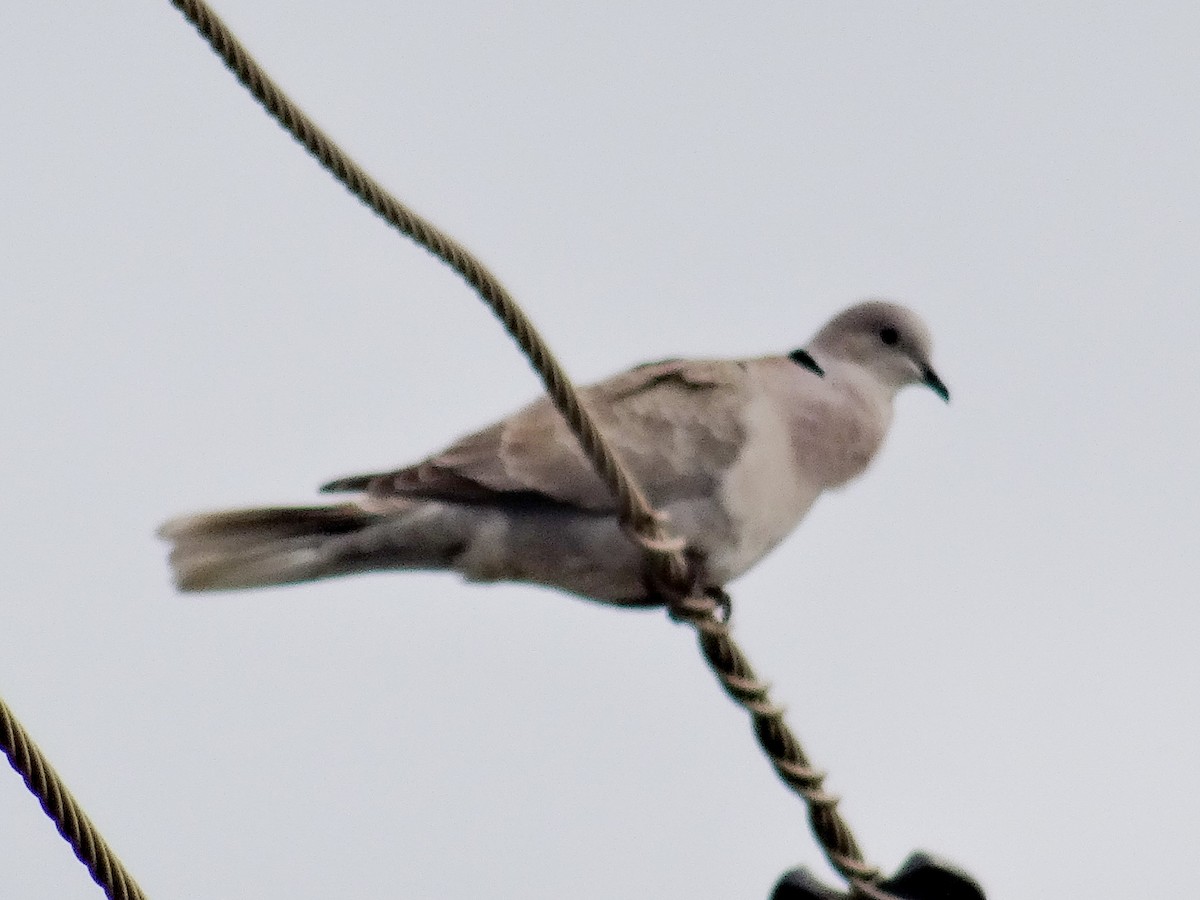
(764, 493)
(837, 430)
(802, 436)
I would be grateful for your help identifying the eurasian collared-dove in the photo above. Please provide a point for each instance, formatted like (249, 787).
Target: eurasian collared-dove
(734, 452)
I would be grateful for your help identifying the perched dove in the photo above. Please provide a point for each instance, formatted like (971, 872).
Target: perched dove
(734, 452)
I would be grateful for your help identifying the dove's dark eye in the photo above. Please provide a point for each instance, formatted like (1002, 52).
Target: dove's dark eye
(889, 335)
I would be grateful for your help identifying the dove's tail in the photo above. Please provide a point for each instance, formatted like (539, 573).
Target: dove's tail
(249, 548)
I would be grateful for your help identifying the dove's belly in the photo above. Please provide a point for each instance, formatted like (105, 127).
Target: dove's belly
(584, 554)
(594, 557)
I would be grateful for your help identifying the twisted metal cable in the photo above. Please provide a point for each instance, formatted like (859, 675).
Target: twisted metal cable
(782, 748)
(634, 509)
(72, 823)
(667, 564)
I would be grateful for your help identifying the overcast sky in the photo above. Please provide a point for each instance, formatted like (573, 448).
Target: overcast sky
(989, 641)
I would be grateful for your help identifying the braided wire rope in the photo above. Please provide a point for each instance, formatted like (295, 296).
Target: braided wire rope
(72, 823)
(634, 509)
(664, 553)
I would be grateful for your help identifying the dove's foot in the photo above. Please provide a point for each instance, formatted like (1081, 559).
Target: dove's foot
(724, 603)
(693, 597)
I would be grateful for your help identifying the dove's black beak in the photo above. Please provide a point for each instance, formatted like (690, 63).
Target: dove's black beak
(804, 359)
(935, 384)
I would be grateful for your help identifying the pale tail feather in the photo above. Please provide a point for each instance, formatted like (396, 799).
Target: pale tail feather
(258, 547)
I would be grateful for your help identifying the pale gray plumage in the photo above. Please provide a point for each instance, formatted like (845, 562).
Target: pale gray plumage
(735, 452)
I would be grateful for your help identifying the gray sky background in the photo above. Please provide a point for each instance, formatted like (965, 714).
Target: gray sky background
(990, 641)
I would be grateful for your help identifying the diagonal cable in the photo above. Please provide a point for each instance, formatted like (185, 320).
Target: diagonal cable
(72, 822)
(634, 509)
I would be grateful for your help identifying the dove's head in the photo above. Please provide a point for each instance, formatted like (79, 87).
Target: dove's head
(884, 338)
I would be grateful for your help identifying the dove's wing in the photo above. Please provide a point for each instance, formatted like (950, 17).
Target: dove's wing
(676, 424)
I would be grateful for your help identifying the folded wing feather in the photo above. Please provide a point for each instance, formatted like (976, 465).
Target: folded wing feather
(676, 424)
